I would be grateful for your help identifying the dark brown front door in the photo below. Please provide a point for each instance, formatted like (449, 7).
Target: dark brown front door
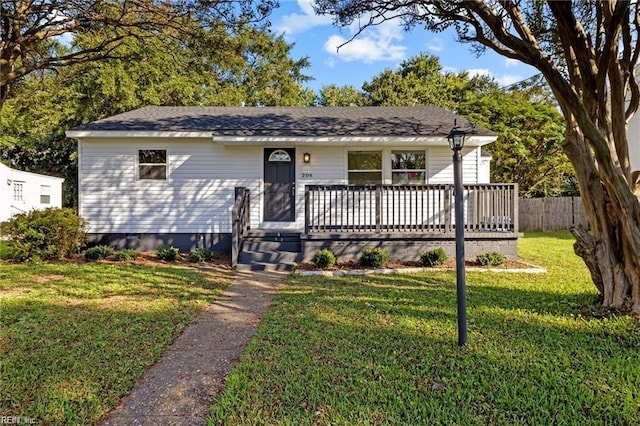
(279, 184)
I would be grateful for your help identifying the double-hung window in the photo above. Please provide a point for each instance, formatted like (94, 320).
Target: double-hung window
(45, 194)
(152, 164)
(408, 167)
(18, 191)
(365, 167)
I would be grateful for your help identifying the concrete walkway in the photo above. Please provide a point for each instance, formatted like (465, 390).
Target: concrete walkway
(181, 387)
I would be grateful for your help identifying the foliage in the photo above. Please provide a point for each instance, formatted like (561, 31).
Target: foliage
(200, 255)
(33, 35)
(492, 258)
(76, 337)
(324, 259)
(382, 349)
(125, 255)
(341, 96)
(374, 257)
(433, 257)
(167, 253)
(97, 253)
(49, 234)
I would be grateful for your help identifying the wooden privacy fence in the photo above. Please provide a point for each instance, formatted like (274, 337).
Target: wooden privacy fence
(551, 214)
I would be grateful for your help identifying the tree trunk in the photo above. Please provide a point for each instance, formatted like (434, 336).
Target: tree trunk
(611, 249)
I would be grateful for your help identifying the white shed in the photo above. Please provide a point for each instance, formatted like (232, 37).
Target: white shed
(23, 191)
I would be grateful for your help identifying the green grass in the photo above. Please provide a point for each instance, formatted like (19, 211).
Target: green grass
(383, 350)
(75, 338)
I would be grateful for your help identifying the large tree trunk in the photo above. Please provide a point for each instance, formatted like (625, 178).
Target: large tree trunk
(611, 249)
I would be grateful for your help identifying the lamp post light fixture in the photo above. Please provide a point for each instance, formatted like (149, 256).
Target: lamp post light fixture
(456, 142)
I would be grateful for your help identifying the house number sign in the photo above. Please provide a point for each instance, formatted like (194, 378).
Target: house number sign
(306, 175)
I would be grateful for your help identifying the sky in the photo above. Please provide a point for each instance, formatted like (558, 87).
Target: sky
(378, 48)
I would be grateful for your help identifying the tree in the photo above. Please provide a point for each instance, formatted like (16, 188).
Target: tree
(333, 95)
(528, 150)
(587, 52)
(33, 30)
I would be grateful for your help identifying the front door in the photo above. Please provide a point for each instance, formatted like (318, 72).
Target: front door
(279, 184)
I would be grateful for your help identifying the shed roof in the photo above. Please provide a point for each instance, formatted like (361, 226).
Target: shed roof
(289, 121)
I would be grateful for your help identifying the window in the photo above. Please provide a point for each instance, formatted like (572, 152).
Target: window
(365, 167)
(18, 192)
(280, 155)
(45, 194)
(408, 167)
(152, 164)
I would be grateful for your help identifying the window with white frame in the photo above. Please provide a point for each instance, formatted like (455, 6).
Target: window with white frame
(152, 164)
(408, 167)
(365, 167)
(18, 191)
(45, 194)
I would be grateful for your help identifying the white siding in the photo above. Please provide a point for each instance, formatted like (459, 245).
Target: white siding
(31, 188)
(196, 197)
(198, 194)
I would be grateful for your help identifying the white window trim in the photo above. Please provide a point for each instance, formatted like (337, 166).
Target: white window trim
(138, 163)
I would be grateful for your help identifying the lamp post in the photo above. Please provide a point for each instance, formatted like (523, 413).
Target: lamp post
(456, 143)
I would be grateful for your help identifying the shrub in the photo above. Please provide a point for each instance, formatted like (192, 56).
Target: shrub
(201, 255)
(125, 255)
(168, 253)
(492, 258)
(323, 259)
(97, 253)
(433, 257)
(374, 257)
(50, 234)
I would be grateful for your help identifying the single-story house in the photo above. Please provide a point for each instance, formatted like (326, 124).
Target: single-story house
(23, 191)
(261, 182)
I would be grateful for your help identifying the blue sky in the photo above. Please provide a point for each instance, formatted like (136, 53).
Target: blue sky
(378, 48)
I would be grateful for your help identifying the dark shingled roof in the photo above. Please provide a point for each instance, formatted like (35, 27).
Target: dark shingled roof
(290, 121)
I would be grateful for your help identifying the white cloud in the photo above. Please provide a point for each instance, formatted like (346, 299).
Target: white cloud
(511, 63)
(374, 44)
(330, 62)
(436, 44)
(478, 71)
(507, 79)
(300, 22)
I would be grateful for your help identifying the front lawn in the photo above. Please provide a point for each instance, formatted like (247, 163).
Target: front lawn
(75, 338)
(383, 350)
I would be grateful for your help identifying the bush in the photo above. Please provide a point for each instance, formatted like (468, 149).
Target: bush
(168, 253)
(323, 259)
(125, 255)
(97, 253)
(374, 257)
(201, 255)
(50, 234)
(492, 258)
(433, 257)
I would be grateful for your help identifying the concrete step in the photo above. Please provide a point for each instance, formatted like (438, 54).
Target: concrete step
(262, 245)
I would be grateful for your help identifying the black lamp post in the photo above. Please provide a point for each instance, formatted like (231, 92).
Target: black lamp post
(456, 143)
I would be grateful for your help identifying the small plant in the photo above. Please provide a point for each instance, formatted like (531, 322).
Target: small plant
(97, 253)
(492, 258)
(323, 259)
(433, 257)
(374, 257)
(200, 255)
(49, 234)
(168, 253)
(125, 255)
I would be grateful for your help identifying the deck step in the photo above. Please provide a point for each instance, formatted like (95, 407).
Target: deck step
(267, 260)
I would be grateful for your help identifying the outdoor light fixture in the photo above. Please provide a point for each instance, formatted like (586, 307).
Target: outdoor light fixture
(456, 138)
(456, 142)
(306, 157)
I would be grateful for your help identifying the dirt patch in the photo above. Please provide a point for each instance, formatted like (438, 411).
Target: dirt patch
(48, 278)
